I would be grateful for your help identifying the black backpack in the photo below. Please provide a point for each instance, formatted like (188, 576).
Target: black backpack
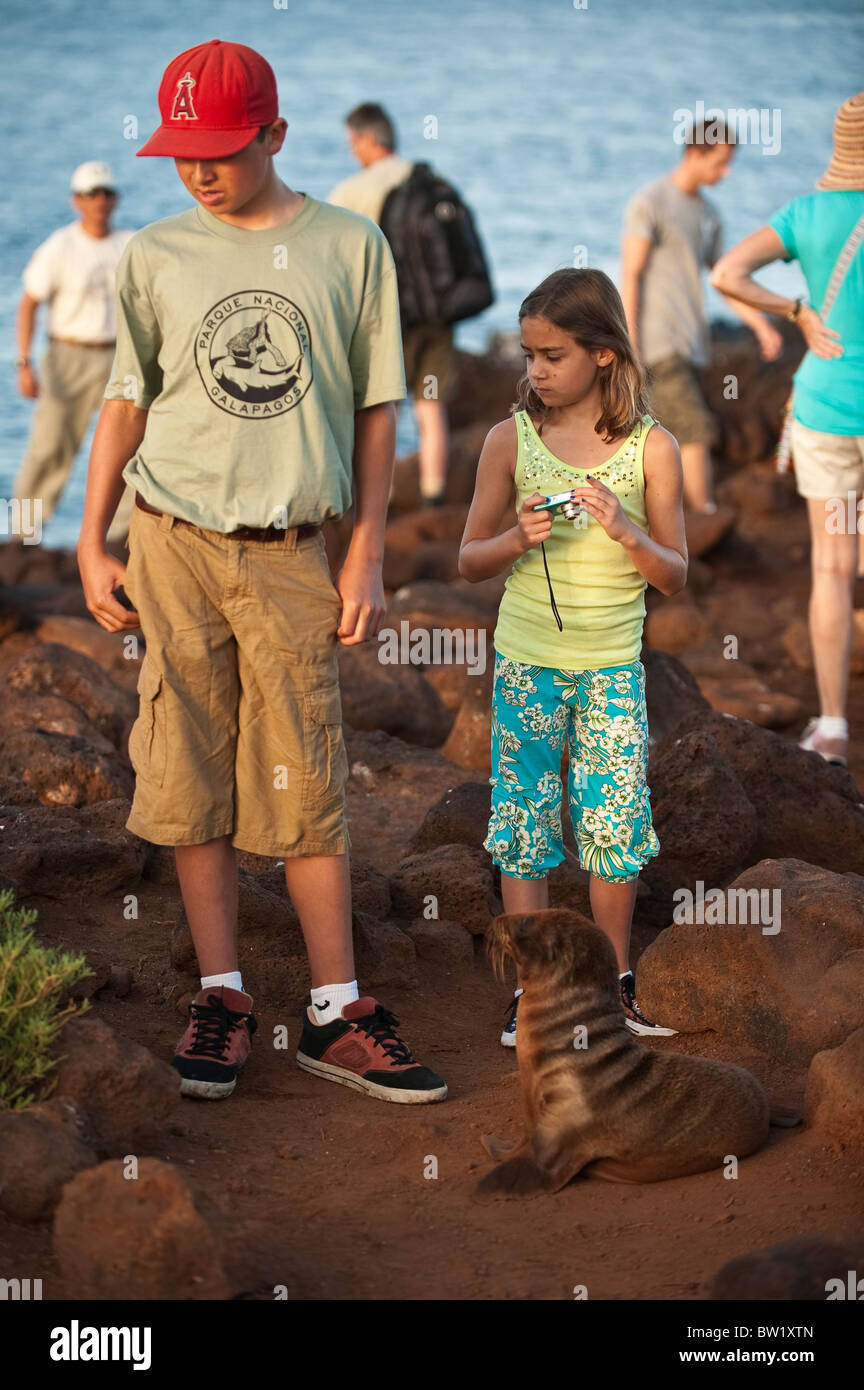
(440, 266)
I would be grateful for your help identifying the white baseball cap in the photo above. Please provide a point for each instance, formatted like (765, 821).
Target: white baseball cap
(92, 174)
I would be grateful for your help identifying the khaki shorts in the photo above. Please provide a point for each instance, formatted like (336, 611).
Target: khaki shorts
(428, 352)
(827, 465)
(678, 403)
(240, 725)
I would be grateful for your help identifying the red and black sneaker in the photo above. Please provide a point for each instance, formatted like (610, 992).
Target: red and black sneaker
(217, 1041)
(361, 1049)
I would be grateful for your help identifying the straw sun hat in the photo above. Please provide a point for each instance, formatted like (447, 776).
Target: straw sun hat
(846, 170)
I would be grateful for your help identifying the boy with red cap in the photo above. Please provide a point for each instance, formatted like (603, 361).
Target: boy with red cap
(258, 361)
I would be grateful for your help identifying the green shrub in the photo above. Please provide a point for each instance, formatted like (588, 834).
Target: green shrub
(34, 981)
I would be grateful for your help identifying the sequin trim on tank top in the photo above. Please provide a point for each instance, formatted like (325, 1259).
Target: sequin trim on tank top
(538, 462)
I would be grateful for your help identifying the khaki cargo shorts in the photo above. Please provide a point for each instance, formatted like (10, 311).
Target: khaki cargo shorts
(677, 401)
(240, 725)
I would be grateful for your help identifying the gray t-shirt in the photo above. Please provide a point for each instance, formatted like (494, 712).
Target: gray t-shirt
(686, 235)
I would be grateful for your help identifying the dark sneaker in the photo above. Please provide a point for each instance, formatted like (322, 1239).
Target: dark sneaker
(508, 1036)
(361, 1049)
(217, 1041)
(636, 1020)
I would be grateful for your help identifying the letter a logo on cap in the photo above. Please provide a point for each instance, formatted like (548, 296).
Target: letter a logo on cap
(183, 108)
(234, 91)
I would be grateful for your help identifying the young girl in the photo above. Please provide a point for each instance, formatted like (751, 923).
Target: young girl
(569, 627)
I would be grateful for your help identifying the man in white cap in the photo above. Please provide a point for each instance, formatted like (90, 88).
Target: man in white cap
(73, 272)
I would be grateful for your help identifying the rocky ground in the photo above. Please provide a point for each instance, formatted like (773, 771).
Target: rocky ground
(320, 1191)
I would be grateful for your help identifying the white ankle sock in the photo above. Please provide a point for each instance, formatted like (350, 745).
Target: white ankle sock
(231, 980)
(623, 973)
(328, 1001)
(831, 726)
(518, 991)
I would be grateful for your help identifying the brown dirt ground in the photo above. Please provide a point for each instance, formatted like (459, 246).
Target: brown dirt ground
(323, 1189)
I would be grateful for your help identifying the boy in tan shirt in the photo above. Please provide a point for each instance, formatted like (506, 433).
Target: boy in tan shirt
(258, 362)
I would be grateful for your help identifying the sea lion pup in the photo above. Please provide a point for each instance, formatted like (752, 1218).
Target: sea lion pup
(611, 1107)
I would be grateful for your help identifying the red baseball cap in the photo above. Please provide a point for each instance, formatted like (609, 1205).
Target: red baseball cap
(212, 100)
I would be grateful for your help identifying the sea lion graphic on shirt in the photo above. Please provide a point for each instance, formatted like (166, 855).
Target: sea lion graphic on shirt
(252, 353)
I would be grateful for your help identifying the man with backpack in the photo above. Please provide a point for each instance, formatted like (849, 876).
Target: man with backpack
(440, 267)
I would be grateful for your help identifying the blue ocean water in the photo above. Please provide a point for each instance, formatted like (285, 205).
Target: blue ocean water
(548, 114)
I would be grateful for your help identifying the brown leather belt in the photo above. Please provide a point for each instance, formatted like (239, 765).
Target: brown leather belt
(247, 533)
(76, 342)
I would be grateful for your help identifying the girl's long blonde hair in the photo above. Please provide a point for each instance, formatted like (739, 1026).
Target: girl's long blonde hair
(586, 304)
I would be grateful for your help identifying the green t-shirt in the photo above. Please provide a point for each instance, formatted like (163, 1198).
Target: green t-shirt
(251, 351)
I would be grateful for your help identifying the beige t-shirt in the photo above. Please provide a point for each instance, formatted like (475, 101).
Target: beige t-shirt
(367, 191)
(251, 351)
(74, 272)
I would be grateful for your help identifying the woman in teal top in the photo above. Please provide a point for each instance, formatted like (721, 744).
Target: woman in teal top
(828, 427)
(567, 668)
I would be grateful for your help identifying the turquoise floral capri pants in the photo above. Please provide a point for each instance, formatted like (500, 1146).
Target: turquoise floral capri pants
(602, 716)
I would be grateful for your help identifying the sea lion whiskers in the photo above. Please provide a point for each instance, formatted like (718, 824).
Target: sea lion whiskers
(498, 948)
(533, 941)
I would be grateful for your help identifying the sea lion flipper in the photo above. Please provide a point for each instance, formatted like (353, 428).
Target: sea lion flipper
(499, 1148)
(518, 1176)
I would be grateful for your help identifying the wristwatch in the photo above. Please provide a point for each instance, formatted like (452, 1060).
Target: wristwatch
(22, 362)
(793, 313)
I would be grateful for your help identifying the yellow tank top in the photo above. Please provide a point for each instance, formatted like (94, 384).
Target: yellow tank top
(599, 592)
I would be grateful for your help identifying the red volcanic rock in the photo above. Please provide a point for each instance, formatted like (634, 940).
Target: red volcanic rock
(759, 491)
(429, 603)
(834, 1100)
(385, 954)
(469, 741)
(50, 669)
(41, 1148)
(394, 697)
(804, 1269)
(65, 770)
(805, 809)
(704, 532)
(751, 699)
(461, 816)
(457, 878)
(447, 944)
(485, 386)
(107, 649)
(790, 992)
(703, 819)
(52, 714)
(796, 644)
(671, 693)
(15, 792)
(139, 1238)
(676, 624)
(66, 852)
(129, 1095)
